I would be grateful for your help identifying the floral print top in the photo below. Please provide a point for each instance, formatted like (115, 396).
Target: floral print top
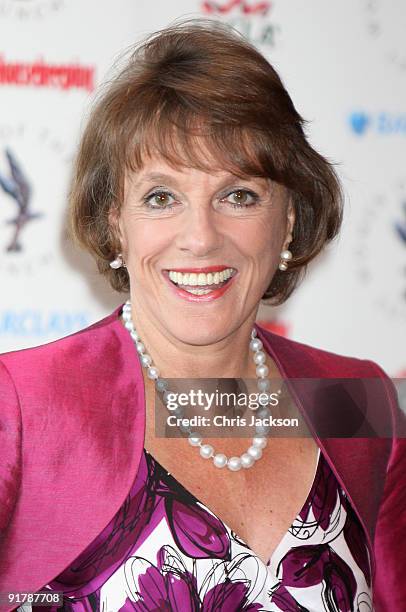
(165, 550)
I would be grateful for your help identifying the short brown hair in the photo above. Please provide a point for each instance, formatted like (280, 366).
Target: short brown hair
(200, 77)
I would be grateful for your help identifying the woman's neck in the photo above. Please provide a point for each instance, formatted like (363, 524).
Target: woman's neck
(221, 360)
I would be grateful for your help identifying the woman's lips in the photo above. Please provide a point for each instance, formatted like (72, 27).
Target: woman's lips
(190, 297)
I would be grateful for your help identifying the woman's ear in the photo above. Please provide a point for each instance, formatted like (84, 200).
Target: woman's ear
(291, 216)
(115, 225)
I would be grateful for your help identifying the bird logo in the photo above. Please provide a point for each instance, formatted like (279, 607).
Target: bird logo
(17, 186)
(400, 226)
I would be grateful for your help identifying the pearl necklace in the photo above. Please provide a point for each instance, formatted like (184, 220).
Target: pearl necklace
(259, 442)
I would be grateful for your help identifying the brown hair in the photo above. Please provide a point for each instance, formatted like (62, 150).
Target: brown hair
(200, 77)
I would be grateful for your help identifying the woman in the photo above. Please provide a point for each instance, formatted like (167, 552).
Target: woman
(196, 191)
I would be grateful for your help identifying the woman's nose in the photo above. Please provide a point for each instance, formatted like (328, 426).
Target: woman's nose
(199, 231)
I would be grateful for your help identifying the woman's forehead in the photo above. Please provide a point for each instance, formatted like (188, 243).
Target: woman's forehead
(157, 170)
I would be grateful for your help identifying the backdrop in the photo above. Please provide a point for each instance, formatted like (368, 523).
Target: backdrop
(344, 64)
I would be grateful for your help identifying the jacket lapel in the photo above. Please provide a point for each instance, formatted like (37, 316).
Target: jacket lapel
(346, 418)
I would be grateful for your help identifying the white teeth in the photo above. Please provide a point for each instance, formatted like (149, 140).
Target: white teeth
(198, 291)
(193, 279)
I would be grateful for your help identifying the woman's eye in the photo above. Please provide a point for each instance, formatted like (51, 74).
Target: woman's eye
(241, 198)
(159, 199)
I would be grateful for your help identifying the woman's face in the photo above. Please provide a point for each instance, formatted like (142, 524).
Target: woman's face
(200, 223)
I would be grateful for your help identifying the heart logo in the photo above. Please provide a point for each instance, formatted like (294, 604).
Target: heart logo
(359, 122)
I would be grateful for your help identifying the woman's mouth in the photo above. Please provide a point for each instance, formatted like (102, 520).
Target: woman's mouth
(195, 285)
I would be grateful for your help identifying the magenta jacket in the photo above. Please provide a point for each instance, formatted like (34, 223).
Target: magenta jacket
(72, 426)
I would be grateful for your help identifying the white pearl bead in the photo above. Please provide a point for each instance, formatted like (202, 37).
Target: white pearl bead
(140, 347)
(259, 357)
(264, 384)
(134, 335)
(165, 398)
(219, 460)
(247, 460)
(254, 333)
(129, 325)
(126, 315)
(262, 370)
(259, 442)
(152, 373)
(263, 412)
(179, 411)
(256, 344)
(262, 429)
(185, 428)
(206, 451)
(283, 266)
(161, 385)
(195, 439)
(234, 464)
(255, 452)
(263, 399)
(287, 255)
(146, 360)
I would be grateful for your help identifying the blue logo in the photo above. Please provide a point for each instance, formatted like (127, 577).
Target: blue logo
(41, 324)
(359, 122)
(382, 124)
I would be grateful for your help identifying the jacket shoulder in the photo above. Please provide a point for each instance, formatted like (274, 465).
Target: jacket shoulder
(316, 361)
(50, 350)
(31, 380)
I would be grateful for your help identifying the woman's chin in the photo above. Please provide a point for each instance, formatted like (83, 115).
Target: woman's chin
(203, 332)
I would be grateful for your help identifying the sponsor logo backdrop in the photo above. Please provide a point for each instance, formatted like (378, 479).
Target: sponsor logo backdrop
(344, 65)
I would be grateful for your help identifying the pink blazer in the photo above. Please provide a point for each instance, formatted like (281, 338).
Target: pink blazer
(72, 426)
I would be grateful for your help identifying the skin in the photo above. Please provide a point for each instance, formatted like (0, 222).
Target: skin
(200, 339)
(211, 340)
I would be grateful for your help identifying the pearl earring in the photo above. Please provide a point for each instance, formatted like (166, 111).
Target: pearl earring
(286, 256)
(117, 262)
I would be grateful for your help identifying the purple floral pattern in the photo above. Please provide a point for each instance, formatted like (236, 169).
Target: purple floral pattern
(165, 550)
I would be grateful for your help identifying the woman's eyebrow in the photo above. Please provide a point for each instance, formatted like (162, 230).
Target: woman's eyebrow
(155, 176)
(160, 176)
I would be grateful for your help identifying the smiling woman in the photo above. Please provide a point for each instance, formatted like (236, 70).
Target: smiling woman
(172, 220)
(201, 97)
(197, 192)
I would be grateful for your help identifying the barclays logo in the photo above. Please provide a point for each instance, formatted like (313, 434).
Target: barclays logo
(41, 324)
(362, 123)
